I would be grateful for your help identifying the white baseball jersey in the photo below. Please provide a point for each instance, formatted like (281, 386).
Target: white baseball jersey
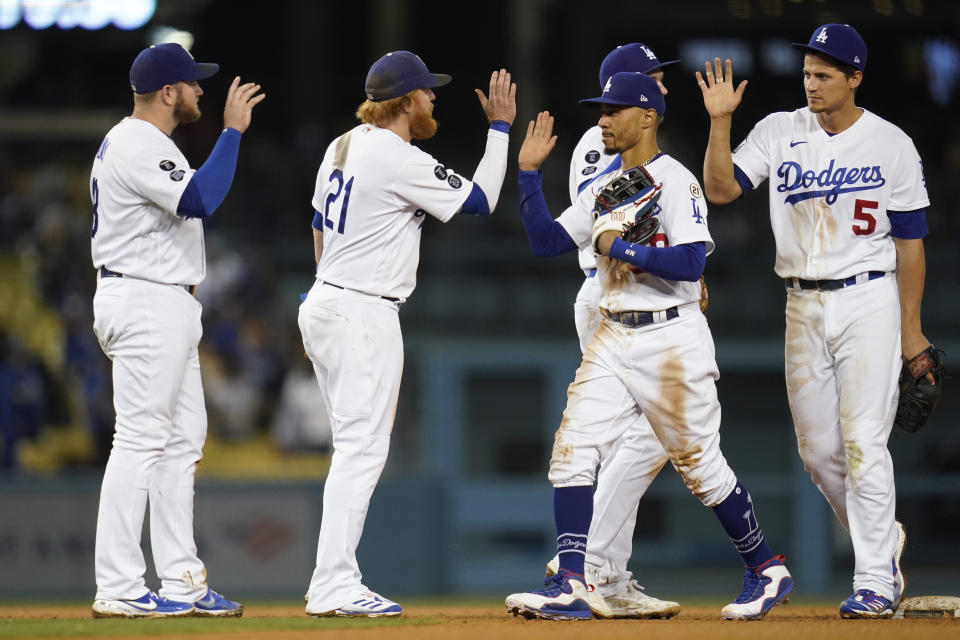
(137, 180)
(682, 210)
(588, 161)
(374, 191)
(830, 194)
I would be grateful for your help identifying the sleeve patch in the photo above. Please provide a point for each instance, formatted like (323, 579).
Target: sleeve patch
(168, 165)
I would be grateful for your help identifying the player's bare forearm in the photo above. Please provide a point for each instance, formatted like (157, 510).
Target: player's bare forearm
(605, 241)
(720, 99)
(911, 272)
(502, 101)
(538, 143)
(241, 99)
(317, 244)
(719, 183)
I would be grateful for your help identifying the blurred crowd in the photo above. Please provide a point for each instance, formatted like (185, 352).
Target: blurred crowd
(56, 408)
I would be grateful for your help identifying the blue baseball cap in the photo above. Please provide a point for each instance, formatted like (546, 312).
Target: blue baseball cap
(839, 41)
(167, 63)
(635, 56)
(630, 89)
(397, 74)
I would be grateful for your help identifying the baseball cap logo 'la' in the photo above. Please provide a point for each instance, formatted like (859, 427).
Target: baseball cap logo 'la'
(635, 56)
(839, 41)
(629, 89)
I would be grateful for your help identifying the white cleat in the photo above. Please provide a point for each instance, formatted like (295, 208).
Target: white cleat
(899, 580)
(764, 587)
(632, 602)
(629, 602)
(363, 604)
(566, 596)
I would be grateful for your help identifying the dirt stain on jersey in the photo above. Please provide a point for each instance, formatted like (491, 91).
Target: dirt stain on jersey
(826, 223)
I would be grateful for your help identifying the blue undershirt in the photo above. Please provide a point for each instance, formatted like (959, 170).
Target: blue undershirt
(682, 262)
(211, 182)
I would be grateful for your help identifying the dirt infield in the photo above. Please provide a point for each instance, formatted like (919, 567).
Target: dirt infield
(793, 621)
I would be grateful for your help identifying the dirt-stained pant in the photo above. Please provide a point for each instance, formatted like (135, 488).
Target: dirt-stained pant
(669, 370)
(842, 359)
(625, 473)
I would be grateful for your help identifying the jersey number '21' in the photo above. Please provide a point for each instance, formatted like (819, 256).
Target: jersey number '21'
(332, 197)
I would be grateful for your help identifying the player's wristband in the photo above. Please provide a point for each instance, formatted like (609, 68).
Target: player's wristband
(500, 125)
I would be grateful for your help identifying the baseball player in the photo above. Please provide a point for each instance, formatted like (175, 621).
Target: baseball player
(374, 192)
(847, 207)
(636, 459)
(147, 246)
(653, 345)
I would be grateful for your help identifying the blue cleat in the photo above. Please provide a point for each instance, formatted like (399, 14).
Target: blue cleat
(764, 587)
(149, 605)
(212, 604)
(866, 604)
(567, 596)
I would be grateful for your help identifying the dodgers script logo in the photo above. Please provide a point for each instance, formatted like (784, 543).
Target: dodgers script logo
(832, 181)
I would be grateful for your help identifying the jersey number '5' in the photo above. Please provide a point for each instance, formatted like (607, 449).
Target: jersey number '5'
(332, 197)
(860, 214)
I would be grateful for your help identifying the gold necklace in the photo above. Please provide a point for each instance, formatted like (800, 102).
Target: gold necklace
(655, 154)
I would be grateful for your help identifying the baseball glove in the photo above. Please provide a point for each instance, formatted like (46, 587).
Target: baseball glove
(626, 205)
(918, 398)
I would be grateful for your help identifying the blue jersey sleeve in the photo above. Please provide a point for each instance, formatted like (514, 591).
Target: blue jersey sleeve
(682, 262)
(546, 236)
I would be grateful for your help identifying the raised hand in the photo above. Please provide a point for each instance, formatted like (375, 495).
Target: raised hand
(719, 96)
(502, 103)
(241, 99)
(538, 143)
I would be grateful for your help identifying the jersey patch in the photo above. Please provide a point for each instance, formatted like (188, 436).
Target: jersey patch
(168, 165)
(592, 157)
(695, 190)
(588, 170)
(177, 175)
(454, 182)
(440, 171)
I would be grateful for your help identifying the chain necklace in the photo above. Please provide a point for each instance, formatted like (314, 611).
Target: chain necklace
(655, 154)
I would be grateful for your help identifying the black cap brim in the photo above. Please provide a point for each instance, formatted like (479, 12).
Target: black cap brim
(205, 70)
(805, 48)
(439, 79)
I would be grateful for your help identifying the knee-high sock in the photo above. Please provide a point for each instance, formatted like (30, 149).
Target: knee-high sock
(572, 510)
(739, 520)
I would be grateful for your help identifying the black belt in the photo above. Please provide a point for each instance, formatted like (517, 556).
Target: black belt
(637, 318)
(336, 286)
(829, 285)
(106, 273)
